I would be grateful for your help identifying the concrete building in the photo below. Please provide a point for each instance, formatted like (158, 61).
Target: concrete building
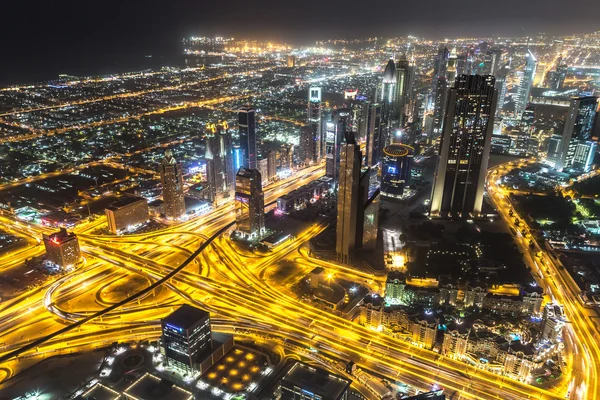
(125, 213)
(396, 168)
(553, 321)
(62, 248)
(171, 179)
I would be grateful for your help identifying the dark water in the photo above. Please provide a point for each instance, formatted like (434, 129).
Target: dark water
(39, 68)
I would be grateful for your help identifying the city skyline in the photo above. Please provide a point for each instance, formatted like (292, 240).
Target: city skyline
(390, 218)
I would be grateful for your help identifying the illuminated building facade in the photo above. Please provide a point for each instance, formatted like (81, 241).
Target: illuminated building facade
(305, 382)
(186, 337)
(577, 132)
(335, 129)
(525, 83)
(171, 178)
(126, 212)
(465, 147)
(62, 248)
(397, 163)
(375, 135)
(404, 81)
(312, 144)
(249, 204)
(219, 163)
(348, 200)
(247, 132)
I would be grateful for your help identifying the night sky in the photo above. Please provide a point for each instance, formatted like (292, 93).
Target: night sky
(39, 37)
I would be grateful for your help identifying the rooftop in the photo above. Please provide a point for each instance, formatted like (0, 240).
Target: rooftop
(185, 316)
(124, 201)
(317, 381)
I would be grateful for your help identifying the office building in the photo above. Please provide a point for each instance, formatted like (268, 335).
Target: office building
(584, 156)
(556, 79)
(397, 163)
(311, 145)
(263, 168)
(387, 94)
(238, 158)
(465, 147)
(249, 204)
(171, 179)
(305, 382)
(291, 61)
(271, 165)
(247, 132)
(335, 129)
(404, 82)
(525, 82)
(348, 199)
(126, 213)
(186, 337)
(219, 164)
(375, 135)
(62, 248)
(578, 130)
(439, 86)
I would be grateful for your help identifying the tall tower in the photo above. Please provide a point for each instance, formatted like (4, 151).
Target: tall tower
(247, 126)
(525, 83)
(577, 131)
(171, 179)
(404, 78)
(335, 129)
(465, 147)
(348, 199)
(386, 95)
(219, 163)
(438, 91)
(313, 146)
(249, 203)
(375, 131)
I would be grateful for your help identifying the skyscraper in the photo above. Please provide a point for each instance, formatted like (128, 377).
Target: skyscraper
(556, 79)
(386, 94)
(313, 143)
(375, 135)
(525, 83)
(219, 163)
(348, 199)
(171, 179)
(247, 126)
(397, 163)
(465, 147)
(439, 91)
(335, 129)
(249, 203)
(577, 131)
(404, 78)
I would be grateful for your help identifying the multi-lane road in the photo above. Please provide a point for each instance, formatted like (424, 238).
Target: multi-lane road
(231, 284)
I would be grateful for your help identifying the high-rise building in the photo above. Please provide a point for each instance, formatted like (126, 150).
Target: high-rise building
(578, 129)
(291, 61)
(556, 79)
(263, 168)
(126, 212)
(525, 83)
(386, 95)
(348, 199)
(465, 147)
(397, 163)
(375, 135)
(216, 173)
(247, 131)
(186, 337)
(584, 156)
(249, 203)
(62, 248)
(553, 321)
(237, 158)
(171, 178)
(404, 82)
(439, 87)
(335, 129)
(226, 148)
(271, 165)
(305, 382)
(312, 144)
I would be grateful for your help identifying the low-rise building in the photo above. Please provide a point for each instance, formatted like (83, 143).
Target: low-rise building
(62, 248)
(125, 213)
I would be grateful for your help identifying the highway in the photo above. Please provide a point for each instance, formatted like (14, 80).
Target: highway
(195, 262)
